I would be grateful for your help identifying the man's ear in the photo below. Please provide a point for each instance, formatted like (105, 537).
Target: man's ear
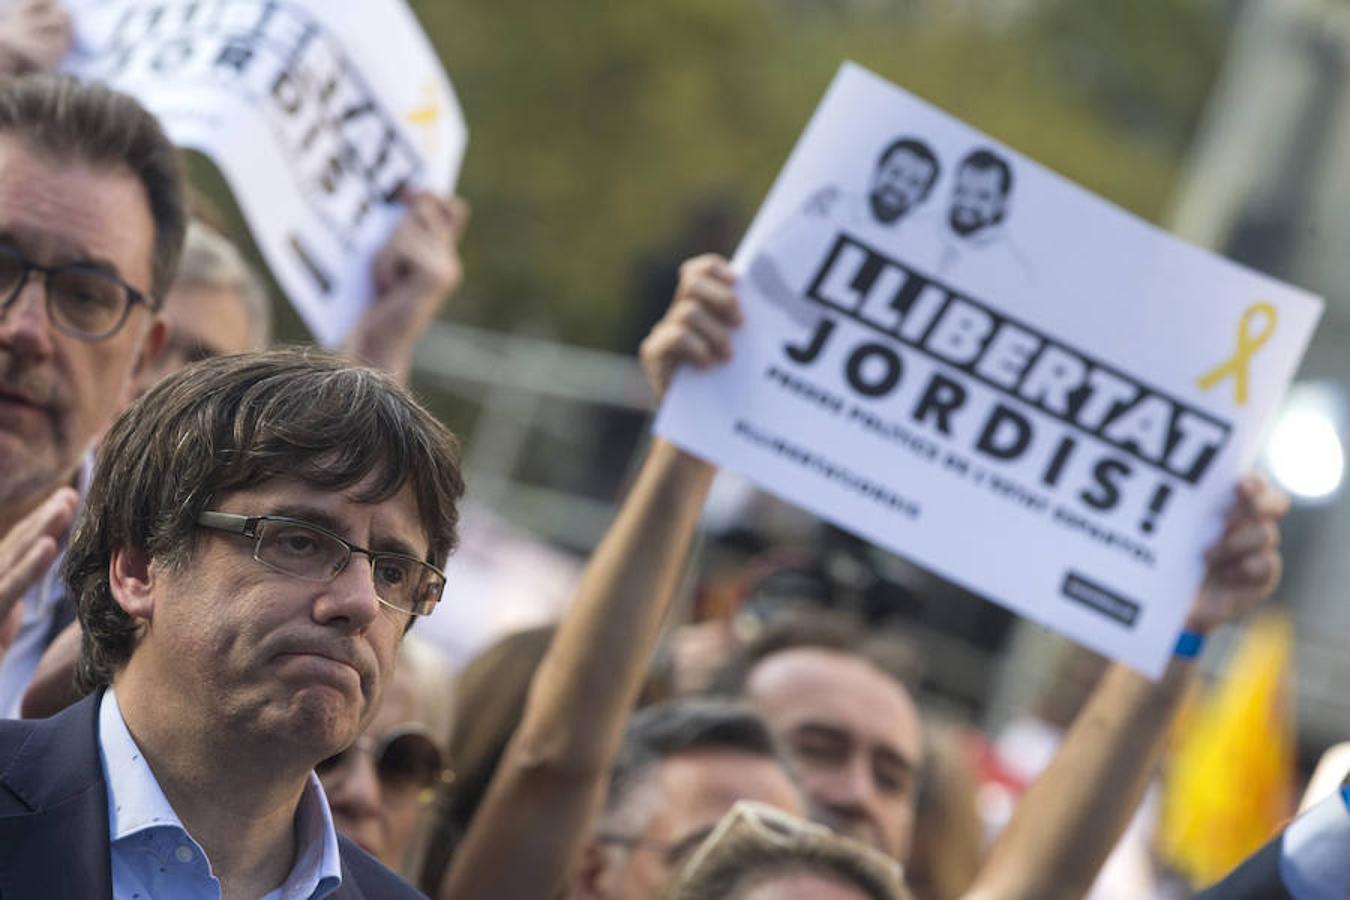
(130, 579)
(151, 346)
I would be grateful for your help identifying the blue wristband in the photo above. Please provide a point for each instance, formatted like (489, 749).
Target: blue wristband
(1345, 795)
(1189, 645)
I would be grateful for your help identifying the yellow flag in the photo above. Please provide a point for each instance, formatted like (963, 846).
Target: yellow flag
(1229, 784)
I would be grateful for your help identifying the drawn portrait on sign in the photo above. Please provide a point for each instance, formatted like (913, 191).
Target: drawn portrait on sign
(974, 243)
(884, 208)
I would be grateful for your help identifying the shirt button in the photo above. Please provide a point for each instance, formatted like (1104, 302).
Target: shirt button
(184, 853)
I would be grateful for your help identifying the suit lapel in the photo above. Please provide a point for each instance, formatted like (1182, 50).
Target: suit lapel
(61, 844)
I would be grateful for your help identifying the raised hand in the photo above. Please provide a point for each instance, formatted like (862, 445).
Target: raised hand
(28, 549)
(697, 328)
(1245, 563)
(414, 274)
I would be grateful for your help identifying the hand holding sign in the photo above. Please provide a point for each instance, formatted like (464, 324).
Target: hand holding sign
(1244, 566)
(1011, 382)
(414, 274)
(697, 328)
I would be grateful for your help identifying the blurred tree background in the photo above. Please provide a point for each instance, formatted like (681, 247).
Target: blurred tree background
(599, 130)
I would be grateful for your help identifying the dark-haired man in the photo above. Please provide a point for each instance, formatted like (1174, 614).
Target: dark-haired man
(259, 533)
(91, 226)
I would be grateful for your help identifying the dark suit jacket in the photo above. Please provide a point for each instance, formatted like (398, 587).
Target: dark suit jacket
(1257, 878)
(54, 817)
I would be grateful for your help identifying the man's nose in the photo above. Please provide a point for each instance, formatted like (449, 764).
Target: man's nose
(25, 327)
(350, 598)
(850, 788)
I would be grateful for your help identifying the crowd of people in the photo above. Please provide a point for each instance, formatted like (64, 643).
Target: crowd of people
(214, 556)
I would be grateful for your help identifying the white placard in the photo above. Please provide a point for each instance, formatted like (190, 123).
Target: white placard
(316, 111)
(965, 358)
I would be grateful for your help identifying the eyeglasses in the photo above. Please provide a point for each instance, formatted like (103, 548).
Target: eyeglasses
(406, 758)
(673, 852)
(306, 551)
(83, 301)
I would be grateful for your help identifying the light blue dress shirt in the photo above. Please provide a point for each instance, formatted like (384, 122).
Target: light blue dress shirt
(153, 856)
(1315, 851)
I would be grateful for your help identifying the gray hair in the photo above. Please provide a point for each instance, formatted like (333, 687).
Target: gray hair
(211, 260)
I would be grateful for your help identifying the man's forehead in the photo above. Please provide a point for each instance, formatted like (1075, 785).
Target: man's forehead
(69, 210)
(831, 687)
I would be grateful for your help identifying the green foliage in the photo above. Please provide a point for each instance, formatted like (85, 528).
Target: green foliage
(595, 127)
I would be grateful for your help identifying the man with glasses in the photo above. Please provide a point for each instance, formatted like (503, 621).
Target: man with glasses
(91, 227)
(257, 539)
(682, 765)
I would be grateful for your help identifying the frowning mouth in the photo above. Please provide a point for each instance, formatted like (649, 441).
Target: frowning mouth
(325, 667)
(18, 398)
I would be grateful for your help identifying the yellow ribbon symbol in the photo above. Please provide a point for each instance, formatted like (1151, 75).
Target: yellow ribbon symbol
(1237, 366)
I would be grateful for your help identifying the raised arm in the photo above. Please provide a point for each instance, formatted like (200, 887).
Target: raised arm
(537, 812)
(1067, 823)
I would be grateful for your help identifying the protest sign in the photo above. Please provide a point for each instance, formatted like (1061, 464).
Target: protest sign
(963, 357)
(317, 113)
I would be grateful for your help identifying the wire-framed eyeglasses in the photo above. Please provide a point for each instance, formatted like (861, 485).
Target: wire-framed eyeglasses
(83, 301)
(313, 553)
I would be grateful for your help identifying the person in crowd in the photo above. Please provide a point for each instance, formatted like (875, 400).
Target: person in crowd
(218, 305)
(35, 36)
(382, 787)
(760, 853)
(91, 206)
(260, 533)
(1309, 860)
(537, 815)
(844, 708)
(1115, 738)
(682, 765)
(489, 700)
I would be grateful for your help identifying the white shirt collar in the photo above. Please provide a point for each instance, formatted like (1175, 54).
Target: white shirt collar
(136, 803)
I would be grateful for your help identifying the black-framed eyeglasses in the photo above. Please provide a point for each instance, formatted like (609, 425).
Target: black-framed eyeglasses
(83, 301)
(405, 758)
(313, 553)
